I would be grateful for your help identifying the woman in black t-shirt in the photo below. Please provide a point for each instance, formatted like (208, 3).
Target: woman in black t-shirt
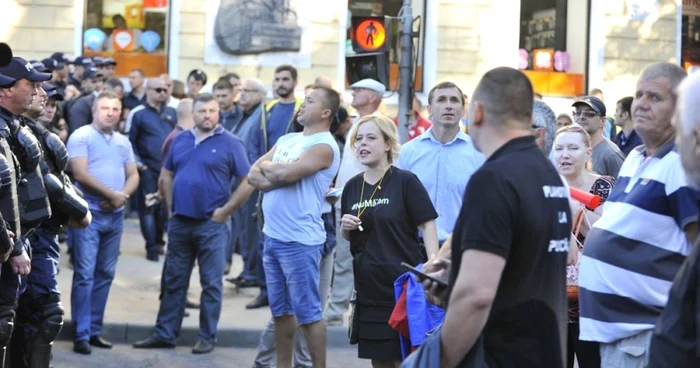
(383, 210)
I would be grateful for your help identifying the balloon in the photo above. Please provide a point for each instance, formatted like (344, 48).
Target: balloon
(94, 38)
(562, 61)
(150, 40)
(523, 62)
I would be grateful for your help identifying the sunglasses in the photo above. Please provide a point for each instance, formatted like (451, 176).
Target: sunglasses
(160, 90)
(587, 113)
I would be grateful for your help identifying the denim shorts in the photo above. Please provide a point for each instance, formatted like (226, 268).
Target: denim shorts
(292, 273)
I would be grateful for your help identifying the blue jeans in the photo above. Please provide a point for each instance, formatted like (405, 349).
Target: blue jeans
(292, 271)
(95, 254)
(190, 240)
(151, 219)
(248, 235)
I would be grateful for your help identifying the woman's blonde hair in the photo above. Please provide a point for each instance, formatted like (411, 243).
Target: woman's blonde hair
(388, 130)
(576, 128)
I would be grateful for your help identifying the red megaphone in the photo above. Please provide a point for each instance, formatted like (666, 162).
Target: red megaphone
(587, 199)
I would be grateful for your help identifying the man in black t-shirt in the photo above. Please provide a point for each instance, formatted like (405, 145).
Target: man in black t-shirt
(507, 277)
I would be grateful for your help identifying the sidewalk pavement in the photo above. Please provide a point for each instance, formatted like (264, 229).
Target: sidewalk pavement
(133, 302)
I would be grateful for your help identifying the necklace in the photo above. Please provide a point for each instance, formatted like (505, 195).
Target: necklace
(362, 194)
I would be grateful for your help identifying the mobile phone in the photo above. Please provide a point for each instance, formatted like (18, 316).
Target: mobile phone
(421, 276)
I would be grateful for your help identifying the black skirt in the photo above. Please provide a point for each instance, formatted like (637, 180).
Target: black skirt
(377, 340)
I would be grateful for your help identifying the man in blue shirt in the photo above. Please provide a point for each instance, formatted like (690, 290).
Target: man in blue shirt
(137, 95)
(275, 121)
(196, 180)
(230, 113)
(628, 139)
(444, 157)
(150, 124)
(295, 176)
(103, 165)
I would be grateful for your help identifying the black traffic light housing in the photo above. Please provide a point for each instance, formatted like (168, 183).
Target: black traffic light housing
(371, 42)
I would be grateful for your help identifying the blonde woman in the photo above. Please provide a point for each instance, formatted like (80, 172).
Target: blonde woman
(572, 150)
(383, 210)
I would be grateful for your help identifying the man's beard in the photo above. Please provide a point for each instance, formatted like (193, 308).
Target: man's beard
(284, 95)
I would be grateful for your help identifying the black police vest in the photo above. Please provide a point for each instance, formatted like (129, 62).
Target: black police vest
(51, 164)
(9, 203)
(34, 204)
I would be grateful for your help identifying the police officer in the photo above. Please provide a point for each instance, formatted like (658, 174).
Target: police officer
(40, 313)
(30, 191)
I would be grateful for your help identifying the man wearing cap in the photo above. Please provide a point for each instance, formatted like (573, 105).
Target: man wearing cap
(107, 66)
(40, 312)
(10, 228)
(589, 112)
(62, 72)
(80, 65)
(49, 117)
(367, 95)
(33, 199)
(275, 121)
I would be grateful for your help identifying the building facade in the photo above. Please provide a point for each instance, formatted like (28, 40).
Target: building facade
(608, 42)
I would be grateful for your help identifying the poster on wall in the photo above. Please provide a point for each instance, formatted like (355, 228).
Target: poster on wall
(258, 33)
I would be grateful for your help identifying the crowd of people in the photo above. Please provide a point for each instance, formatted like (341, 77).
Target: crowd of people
(324, 204)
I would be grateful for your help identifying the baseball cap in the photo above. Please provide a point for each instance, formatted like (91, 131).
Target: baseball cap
(52, 64)
(83, 61)
(91, 72)
(594, 103)
(370, 84)
(61, 58)
(22, 69)
(39, 66)
(108, 61)
(51, 91)
(97, 60)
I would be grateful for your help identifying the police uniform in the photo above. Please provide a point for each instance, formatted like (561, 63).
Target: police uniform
(31, 194)
(40, 312)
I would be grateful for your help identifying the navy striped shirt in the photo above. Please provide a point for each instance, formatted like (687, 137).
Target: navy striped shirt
(634, 251)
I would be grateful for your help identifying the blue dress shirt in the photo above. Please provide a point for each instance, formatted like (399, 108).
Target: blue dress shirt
(444, 170)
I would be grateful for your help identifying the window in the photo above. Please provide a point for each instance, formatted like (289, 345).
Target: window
(132, 32)
(391, 8)
(690, 34)
(542, 27)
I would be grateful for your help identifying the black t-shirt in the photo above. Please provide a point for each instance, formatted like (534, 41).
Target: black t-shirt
(519, 210)
(390, 231)
(676, 340)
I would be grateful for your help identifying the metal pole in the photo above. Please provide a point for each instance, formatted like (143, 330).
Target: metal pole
(406, 71)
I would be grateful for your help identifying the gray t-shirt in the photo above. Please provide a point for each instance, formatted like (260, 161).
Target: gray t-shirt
(293, 212)
(607, 158)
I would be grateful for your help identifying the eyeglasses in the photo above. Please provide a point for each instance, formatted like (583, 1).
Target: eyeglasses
(586, 113)
(160, 90)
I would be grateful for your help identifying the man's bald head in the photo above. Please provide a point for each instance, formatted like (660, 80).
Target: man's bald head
(687, 121)
(323, 81)
(185, 109)
(505, 95)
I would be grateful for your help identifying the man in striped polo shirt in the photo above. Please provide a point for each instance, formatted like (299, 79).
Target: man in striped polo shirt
(634, 251)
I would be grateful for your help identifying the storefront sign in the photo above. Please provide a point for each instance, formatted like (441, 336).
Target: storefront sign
(640, 10)
(691, 7)
(523, 62)
(562, 61)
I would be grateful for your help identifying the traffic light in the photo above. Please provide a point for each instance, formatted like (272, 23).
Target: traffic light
(369, 56)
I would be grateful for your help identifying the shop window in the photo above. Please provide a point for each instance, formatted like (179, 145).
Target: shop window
(542, 31)
(132, 32)
(391, 8)
(690, 34)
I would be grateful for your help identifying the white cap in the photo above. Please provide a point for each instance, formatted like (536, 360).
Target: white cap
(370, 84)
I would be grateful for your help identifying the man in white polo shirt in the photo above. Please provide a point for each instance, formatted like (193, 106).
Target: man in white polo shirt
(633, 252)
